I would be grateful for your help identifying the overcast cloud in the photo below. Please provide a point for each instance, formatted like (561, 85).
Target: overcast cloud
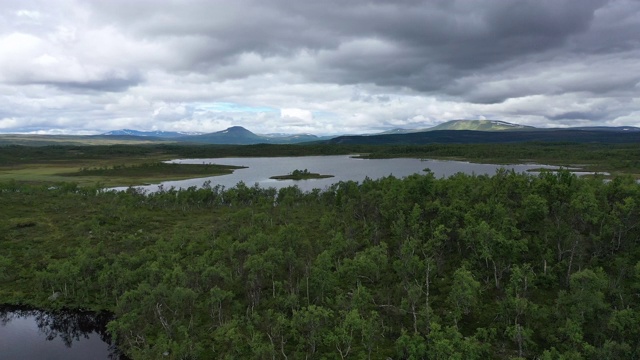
(325, 67)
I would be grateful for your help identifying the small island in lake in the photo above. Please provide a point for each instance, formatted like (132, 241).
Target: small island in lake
(301, 175)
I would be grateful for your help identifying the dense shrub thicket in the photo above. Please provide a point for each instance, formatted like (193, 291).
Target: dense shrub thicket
(468, 267)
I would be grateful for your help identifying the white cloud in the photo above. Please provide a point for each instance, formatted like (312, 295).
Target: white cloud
(8, 123)
(29, 14)
(296, 115)
(326, 68)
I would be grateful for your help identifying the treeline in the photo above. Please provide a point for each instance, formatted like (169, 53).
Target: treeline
(469, 267)
(17, 154)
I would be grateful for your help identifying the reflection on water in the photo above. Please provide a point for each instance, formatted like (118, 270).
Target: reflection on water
(34, 334)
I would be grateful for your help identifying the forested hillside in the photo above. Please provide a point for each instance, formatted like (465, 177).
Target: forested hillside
(492, 137)
(469, 267)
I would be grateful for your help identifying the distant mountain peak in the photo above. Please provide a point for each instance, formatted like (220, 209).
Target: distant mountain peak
(235, 130)
(480, 125)
(236, 135)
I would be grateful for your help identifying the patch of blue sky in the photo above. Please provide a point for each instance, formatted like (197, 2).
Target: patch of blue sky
(324, 114)
(234, 107)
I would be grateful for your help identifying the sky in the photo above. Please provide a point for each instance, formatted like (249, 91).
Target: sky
(309, 66)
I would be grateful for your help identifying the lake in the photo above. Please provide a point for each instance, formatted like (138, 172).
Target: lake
(39, 335)
(342, 167)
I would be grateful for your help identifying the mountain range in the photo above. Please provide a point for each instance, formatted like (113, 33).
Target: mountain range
(455, 131)
(154, 134)
(474, 125)
(235, 135)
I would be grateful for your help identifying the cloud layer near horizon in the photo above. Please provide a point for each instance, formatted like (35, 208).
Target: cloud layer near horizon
(324, 67)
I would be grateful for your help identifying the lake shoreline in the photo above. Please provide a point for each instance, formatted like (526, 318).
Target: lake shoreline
(260, 170)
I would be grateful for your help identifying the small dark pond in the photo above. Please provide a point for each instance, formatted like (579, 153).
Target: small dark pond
(28, 334)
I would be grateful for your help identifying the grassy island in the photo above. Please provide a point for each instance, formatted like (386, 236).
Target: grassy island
(301, 175)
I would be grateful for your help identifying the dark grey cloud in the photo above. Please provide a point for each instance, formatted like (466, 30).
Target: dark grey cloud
(577, 115)
(109, 84)
(429, 44)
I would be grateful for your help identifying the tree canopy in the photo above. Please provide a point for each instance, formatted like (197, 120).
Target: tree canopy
(468, 267)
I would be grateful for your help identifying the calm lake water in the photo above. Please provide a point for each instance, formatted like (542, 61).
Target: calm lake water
(343, 168)
(38, 335)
